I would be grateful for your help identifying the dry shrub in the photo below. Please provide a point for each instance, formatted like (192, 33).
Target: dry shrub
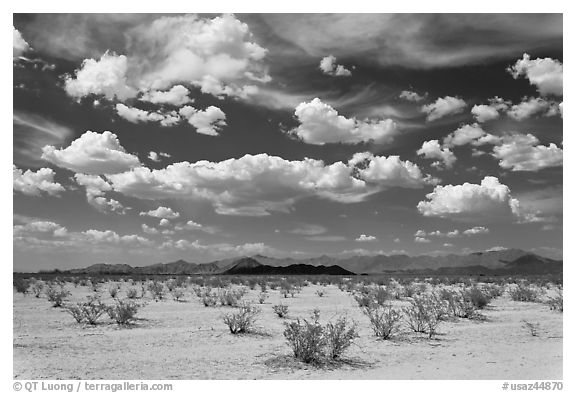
(384, 320)
(242, 320)
(422, 314)
(306, 339)
(123, 311)
(339, 336)
(56, 295)
(281, 310)
(21, 285)
(312, 343)
(557, 302)
(157, 290)
(524, 293)
(88, 312)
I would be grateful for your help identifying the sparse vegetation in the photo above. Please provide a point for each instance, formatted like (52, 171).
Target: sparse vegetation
(306, 339)
(524, 293)
(423, 314)
(384, 320)
(177, 293)
(281, 310)
(88, 312)
(157, 290)
(557, 302)
(37, 288)
(123, 311)
(339, 336)
(262, 296)
(56, 295)
(21, 285)
(242, 320)
(131, 293)
(311, 342)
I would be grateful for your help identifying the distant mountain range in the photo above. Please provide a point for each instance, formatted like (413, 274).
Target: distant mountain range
(507, 261)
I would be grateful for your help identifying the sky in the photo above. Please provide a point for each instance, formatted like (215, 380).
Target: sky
(146, 138)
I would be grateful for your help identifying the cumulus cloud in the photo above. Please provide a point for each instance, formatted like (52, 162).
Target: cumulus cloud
(520, 152)
(93, 154)
(149, 230)
(44, 235)
(257, 184)
(20, 45)
(216, 55)
(321, 124)
(40, 227)
(207, 122)
(111, 237)
(546, 74)
(469, 201)
(329, 67)
(476, 231)
(135, 115)
(390, 171)
(421, 240)
(161, 212)
(412, 96)
(532, 106)
(469, 134)
(176, 96)
(496, 105)
(35, 183)
(443, 107)
(433, 150)
(96, 187)
(365, 238)
(106, 76)
(156, 157)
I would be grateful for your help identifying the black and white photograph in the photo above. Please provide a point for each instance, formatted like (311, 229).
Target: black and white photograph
(287, 196)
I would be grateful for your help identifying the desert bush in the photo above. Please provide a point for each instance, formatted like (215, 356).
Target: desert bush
(171, 285)
(56, 295)
(320, 292)
(395, 289)
(263, 285)
(381, 295)
(37, 288)
(556, 302)
(306, 339)
(524, 293)
(131, 293)
(88, 312)
(242, 320)
(422, 315)
(21, 285)
(209, 300)
(281, 310)
(493, 290)
(123, 311)
(177, 293)
(157, 290)
(262, 296)
(384, 321)
(364, 300)
(477, 298)
(228, 297)
(113, 291)
(339, 336)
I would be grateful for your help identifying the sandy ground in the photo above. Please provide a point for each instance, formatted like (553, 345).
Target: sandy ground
(185, 340)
